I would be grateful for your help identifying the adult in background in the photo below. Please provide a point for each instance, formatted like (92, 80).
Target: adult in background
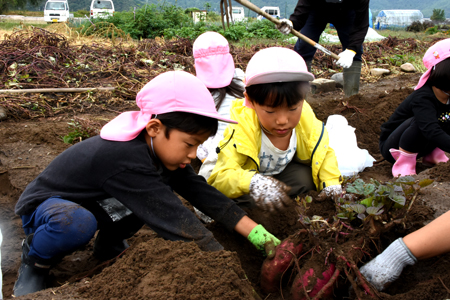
(351, 20)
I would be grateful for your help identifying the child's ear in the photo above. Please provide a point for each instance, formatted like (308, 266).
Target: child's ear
(248, 102)
(153, 127)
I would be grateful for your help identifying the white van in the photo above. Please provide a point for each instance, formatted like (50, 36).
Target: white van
(274, 11)
(56, 11)
(102, 8)
(237, 13)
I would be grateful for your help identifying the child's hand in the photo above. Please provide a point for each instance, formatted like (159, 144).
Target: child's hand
(263, 240)
(269, 194)
(387, 267)
(330, 191)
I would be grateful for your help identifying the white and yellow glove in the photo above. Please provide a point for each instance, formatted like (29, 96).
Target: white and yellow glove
(346, 58)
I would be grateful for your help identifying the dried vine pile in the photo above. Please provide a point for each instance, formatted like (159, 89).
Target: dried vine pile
(37, 58)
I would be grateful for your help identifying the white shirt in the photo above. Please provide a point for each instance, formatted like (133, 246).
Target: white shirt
(272, 160)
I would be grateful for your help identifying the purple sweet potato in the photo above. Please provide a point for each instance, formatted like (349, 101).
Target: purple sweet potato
(313, 283)
(273, 269)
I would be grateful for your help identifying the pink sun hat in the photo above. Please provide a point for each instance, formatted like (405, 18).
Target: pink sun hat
(276, 64)
(174, 91)
(214, 64)
(434, 55)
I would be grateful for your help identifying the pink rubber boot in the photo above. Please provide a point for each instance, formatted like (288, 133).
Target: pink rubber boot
(405, 163)
(436, 156)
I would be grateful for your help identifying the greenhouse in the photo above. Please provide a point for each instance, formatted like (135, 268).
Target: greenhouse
(397, 18)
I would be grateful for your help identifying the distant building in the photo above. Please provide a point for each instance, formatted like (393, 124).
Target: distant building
(399, 18)
(198, 16)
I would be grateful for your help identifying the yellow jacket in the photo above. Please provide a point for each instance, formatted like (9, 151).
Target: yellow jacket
(238, 158)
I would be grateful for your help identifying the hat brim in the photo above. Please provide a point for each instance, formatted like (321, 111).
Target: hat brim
(423, 79)
(281, 76)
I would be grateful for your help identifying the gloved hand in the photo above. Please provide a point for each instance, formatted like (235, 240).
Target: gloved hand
(346, 58)
(263, 240)
(387, 266)
(331, 190)
(269, 193)
(285, 26)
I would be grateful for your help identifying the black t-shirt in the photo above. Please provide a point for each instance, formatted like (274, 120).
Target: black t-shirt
(431, 115)
(97, 169)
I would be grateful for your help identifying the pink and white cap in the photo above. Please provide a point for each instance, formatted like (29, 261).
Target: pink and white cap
(276, 64)
(214, 64)
(174, 91)
(434, 55)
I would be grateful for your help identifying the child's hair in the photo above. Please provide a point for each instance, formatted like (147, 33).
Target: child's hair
(278, 93)
(188, 123)
(234, 89)
(440, 75)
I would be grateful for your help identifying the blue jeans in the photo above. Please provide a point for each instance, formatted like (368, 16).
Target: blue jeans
(316, 24)
(59, 227)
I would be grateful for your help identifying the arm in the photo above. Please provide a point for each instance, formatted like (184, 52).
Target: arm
(360, 26)
(152, 201)
(206, 198)
(329, 173)
(425, 115)
(300, 14)
(430, 240)
(231, 175)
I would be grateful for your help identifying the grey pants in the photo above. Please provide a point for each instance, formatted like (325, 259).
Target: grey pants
(296, 175)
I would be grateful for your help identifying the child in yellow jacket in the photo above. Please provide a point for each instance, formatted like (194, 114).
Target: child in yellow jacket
(279, 148)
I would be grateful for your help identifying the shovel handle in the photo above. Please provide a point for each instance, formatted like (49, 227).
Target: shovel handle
(259, 11)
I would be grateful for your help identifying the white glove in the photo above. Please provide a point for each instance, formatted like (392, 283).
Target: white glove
(387, 266)
(346, 58)
(332, 190)
(269, 194)
(285, 26)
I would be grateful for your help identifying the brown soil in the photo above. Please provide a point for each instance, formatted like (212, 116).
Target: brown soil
(153, 268)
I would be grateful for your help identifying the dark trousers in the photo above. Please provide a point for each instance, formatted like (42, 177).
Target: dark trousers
(408, 137)
(316, 24)
(296, 175)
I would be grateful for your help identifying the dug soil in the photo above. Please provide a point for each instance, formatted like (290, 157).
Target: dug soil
(153, 268)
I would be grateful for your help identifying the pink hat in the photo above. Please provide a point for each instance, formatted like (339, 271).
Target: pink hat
(434, 55)
(276, 64)
(213, 62)
(174, 91)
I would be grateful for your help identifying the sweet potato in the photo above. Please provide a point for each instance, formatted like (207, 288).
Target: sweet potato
(309, 281)
(273, 269)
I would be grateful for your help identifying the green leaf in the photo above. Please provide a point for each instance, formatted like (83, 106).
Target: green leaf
(342, 216)
(358, 208)
(383, 190)
(369, 189)
(367, 202)
(308, 199)
(406, 180)
(398, 199)
(425, 182)
(374, 211)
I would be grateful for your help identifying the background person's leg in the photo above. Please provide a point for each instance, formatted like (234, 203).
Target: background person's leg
(314, 26)
(352, 75)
